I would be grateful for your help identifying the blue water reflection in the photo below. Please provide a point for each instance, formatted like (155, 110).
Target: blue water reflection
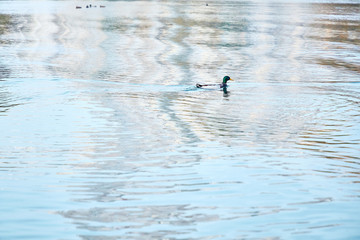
(105, 136)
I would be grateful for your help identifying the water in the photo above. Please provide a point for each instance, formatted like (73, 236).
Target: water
(105, 136)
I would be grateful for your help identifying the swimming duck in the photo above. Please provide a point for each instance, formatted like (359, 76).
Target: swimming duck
(220, 85)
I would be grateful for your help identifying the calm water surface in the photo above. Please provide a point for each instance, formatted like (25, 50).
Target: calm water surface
(104, 135)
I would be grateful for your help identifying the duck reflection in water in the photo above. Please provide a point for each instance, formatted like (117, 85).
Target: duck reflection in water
(226, 92)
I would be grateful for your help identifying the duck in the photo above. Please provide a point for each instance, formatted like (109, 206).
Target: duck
(217, 85)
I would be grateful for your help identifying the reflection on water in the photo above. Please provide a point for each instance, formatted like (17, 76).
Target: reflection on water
(105, 136)
(6, 100)
(336, 33)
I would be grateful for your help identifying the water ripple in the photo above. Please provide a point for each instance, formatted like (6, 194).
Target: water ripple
(104, 134)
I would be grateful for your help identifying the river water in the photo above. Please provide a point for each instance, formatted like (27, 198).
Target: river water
(104, 135)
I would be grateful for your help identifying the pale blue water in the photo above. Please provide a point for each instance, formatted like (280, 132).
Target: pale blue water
(104, 135)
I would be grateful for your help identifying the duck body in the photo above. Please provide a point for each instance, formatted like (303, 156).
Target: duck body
(216, 85)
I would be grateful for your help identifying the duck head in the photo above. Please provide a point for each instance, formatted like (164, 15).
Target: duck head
(225, 79)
